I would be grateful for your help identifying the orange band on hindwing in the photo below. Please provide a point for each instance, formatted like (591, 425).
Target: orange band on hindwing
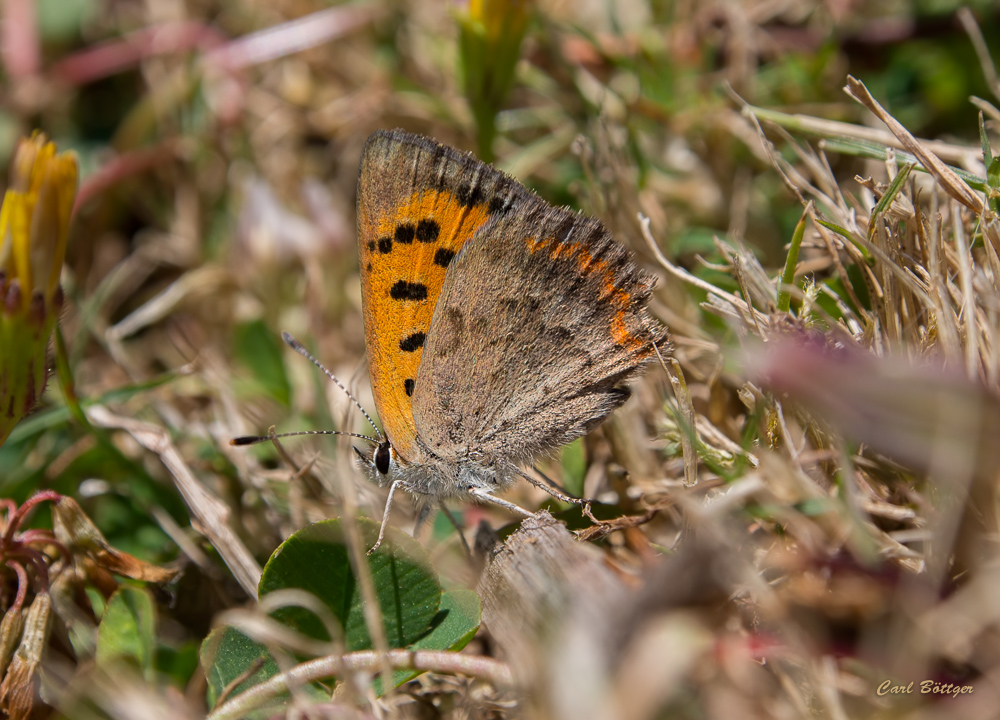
(636, 339)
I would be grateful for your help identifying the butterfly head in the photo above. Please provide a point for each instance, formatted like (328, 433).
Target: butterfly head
(381, 461)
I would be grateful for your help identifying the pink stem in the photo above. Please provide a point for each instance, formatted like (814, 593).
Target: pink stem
(122, 168)
(19, 46)
(31, 537)
(21, 514)
(116, 56)
(37, 559)
(289, 37)
(36, 535)
(9, 505)
(22, 584)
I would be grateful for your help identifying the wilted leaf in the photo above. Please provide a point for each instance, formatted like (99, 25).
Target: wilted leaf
(11, 628)
(78, 533)
(19, 688)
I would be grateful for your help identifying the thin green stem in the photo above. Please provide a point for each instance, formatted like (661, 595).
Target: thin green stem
(788, 274)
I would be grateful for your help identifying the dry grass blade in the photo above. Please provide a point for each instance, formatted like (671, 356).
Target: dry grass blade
(736, 302)
(289, 38)
(975, 33)
(821, 127)
(950, 182)
(211, 514)
(426, 660)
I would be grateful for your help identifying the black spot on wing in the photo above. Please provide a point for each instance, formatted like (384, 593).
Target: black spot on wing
(427, 231)
(403, 290)
(499, 205)
(453, 332)
(562, 335)
(408, 386)
(469, 194)
(412, 342)
(384, 245)
(405, 233)
(443, 256)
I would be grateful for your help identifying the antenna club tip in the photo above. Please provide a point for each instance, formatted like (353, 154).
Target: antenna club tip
(290, 341)
(244, 440)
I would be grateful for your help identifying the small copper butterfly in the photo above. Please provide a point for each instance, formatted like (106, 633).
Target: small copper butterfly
(497, 326)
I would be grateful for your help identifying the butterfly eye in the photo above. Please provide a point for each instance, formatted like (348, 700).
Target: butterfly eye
(382, 457)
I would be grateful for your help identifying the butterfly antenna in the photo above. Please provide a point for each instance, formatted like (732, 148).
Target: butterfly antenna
(301, 350)
(254, 439)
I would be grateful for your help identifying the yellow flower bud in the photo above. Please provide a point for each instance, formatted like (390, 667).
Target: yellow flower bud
(34, 228)
(490, 36)
(502, 20)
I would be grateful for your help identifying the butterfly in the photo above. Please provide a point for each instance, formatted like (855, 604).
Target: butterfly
(497, 326)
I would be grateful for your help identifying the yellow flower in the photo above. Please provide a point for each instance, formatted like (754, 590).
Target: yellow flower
(34, 227)
(500, 17)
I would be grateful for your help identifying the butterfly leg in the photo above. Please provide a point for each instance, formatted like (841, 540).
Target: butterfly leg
(385, 515)
(550, 486)
(487, 496)
(557, 492)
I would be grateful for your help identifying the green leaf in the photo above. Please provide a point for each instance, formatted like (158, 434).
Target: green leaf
(844, 233)
(228, 654)
(455, 624)
(61, 20)
(315, 559)
(993, 177)
(791, 262)
(574, 465)
(179, 663)
(877, 151)
(890, 194)
(442, 529)
(128, 629)
(259, 349)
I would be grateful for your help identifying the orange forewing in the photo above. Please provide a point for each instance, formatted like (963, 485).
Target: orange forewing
(418, 204)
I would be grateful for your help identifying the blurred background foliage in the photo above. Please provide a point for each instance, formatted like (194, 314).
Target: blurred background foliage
(218, 144)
